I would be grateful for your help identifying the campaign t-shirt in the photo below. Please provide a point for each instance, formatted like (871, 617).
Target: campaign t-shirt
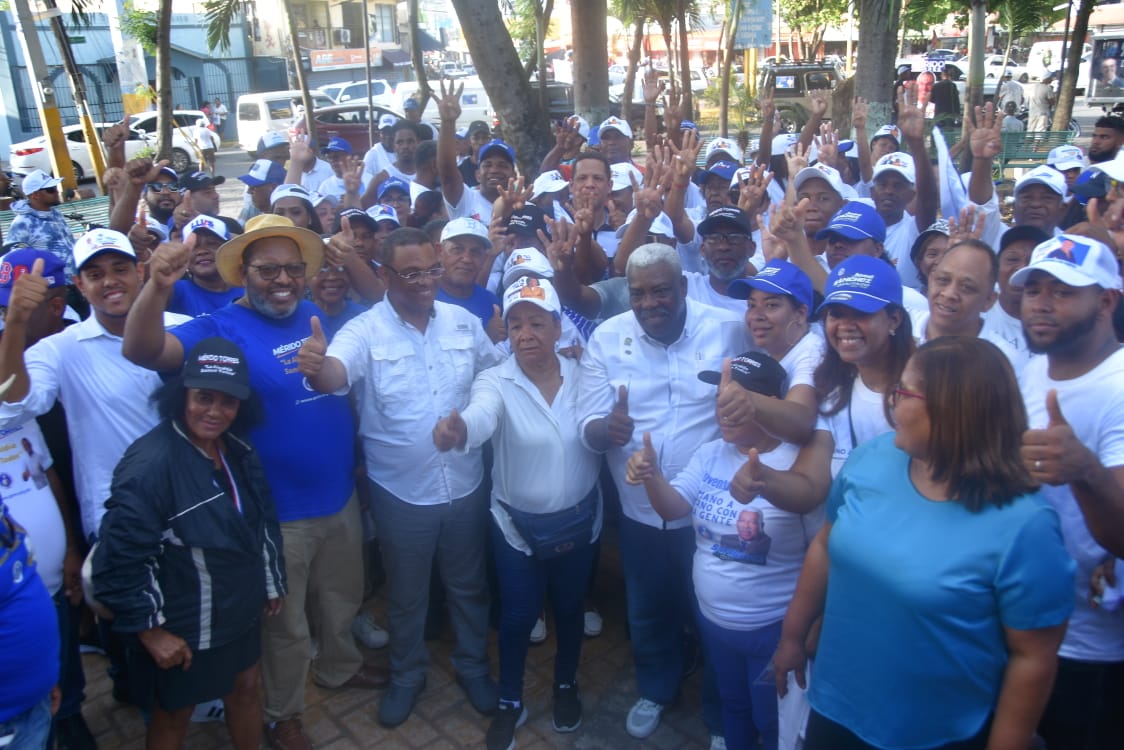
(861, 420)
(699, 289)
(188, 298)
(23, 483)
(747, 557)
(801, 361)
(479, 304)
(306, 441)
(333, 323)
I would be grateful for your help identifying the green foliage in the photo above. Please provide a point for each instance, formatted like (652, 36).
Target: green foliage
(220, 16)
(742, 108)
(140, 25)
(807, 16)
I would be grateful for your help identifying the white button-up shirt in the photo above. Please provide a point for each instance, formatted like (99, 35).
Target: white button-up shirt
(106, 398)
(541, 463)
(407, 380)
(665, 395)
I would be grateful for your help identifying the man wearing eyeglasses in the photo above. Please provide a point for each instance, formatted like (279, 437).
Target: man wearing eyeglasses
(411, 360)
(39, 223)
(162, 195)
(727, 246)
(306, 448)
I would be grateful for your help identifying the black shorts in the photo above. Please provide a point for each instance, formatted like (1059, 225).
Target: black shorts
(210, 677)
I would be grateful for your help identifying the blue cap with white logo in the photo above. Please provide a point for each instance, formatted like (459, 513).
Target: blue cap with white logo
(777, 277)
(863, 283)
(855, 221)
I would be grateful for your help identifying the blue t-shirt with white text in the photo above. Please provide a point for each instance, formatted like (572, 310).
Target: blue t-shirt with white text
(188, 298)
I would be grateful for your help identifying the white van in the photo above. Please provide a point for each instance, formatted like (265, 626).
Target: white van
(260, 113)
(475, 104)
(1046, 56)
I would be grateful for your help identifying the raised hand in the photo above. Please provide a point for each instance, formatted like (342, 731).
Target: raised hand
(583, 215)
(618, 424)
(560, 245)
(300, 152)
(496, 328)
(1054, 455)
(818, 102)
(860, 110)
(353, 175)
(652, 86)
(969, 227)
(754, 182)
(911, 120)
(749, 480)
(771, 246)
(342, 245)
(143, 171)
(986, 136)
(185, 211)
(644, 464)
(115, 135)
(827, 146)
(169, 262)
(449, 103)
(797, 159)
(515, 195)
(310, 358)
(686, 157)
(139, 236)
(787, 222)
(735, 404)
(28, 292)
(450, 432)
(768, 108)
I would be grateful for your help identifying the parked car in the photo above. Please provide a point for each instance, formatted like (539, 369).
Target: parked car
(261, 112)
(792, 84)
(33, 154)
(382, 93)
(948, 55)
(347, 121)
(184, 152)
(332, 90)
(617, 74)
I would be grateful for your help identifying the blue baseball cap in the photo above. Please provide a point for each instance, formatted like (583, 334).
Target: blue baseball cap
(688, 125)
(264, 172)
(724, 169)
(777, 277)
(496, 145)
(338, 144)
(594, 135)
(863, 283)
(855, 221)
(393, 183)
(19, 261)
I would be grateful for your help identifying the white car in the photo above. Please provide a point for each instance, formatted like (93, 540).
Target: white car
(382, 93)
(617, 74)
(34, 154)
(184, 153)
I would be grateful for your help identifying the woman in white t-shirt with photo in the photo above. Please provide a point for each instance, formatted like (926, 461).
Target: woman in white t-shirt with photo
(755, 503)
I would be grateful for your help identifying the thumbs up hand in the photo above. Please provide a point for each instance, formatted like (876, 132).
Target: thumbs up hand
(749, 481)
(310, 358)
(28, 292)
(644, 464)
(735, 404)
(496, 328)
(618, 423)
(1055, 455)
(450, 432)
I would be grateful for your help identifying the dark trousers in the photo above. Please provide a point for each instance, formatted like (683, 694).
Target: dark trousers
(1086, 708)
(825, 734)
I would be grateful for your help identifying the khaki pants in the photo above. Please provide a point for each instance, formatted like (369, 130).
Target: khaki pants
(324, 566)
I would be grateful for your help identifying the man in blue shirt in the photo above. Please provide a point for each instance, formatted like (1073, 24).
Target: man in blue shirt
(464, 248)
(306, 447)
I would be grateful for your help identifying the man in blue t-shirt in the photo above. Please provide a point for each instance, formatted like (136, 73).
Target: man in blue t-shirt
(306, 447)
(464, 248)
(204, 290)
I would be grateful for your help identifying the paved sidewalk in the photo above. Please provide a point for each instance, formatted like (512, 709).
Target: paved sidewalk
(345, 719)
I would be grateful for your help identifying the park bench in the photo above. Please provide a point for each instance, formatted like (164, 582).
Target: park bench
(1029, 149)
(79, 215)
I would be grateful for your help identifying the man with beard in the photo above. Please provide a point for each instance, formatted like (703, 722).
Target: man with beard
(495, 165)
(411, 360)
(318, 509)
(464, 248)
(162, 195)
(39, 223)
(1108, 136)
(727, 245)
(1075, 448)
(639, 376)
(200, 196)
(204, 290)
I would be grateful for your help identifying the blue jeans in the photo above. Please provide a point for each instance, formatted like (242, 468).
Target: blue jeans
(749, 704)
(29, 730)
(657, 575)
(524, 580)
(72, 680)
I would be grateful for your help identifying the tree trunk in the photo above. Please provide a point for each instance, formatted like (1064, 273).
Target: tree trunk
(976, 54)
(685, 61)
(302, 84)
(591, 54)
(416, 57)
(497, 64)
(877, 42)
(1068, 87)
(164, 101)
(630, 75)
(671, 77)
(726, 63)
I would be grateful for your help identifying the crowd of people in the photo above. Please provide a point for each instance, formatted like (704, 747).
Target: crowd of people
(858, 439)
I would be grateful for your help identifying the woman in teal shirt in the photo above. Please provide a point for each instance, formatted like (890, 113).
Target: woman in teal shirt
(941, 575)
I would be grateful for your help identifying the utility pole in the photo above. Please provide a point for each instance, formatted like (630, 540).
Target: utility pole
(45, 100)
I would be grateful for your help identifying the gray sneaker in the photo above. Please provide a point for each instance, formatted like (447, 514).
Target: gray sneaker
(398, 703)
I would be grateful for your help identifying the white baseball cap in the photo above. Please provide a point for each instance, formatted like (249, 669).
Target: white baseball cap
(37, 180)
(98, 241)
(466, 226)
(211, 224)
(661, 225)
(380, 212)
(550, 181)
(891, 130)
(289, 190)
(387, 121)
(527, 261)
(830, 175)
(1064, 158)
(580, 124)
(539, 292)
(727, 146)
(1043, 175)
(1073, 260)
(623, 174)
(617, 124)
(899, 162)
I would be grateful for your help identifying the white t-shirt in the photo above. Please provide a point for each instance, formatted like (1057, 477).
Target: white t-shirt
(863, 419)
(899, 241)
(803, 358)
(314, 178)
(700, 290)
(921, 334)
(998, 325)
(376, 160)
(740, 584)
(1093, 404)
(473, 204)
(29, 497)
(335, 186)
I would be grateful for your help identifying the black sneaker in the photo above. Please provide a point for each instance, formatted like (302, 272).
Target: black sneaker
(501, 732)
(567, 708)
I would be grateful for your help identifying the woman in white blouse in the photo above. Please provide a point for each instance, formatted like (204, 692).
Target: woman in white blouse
(546, 508)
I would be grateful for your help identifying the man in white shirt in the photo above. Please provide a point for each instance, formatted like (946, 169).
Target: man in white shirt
(305, 168)
(640, 375)
(412, 360)
(826, 193)
(1075, 448)
(895, 178)
(381, 155)
(727, 245)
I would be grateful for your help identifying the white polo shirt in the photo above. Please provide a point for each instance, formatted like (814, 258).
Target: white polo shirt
(665, 395)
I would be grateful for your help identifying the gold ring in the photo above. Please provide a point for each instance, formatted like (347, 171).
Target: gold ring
(1037, 465)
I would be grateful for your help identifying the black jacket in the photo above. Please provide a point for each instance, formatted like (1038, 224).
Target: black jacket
(173, 549)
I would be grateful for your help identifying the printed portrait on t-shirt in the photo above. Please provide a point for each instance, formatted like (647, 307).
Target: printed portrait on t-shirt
(750, 545)
(33, 465)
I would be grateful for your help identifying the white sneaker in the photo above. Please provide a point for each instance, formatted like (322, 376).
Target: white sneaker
(643, 719)
(209, 711)
(717, 742)
(538, 633)
(314, 651)
(593, 623)
(367, 632)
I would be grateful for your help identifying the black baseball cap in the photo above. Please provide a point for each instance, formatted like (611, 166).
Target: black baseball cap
(527, 221)
(754, 371)
(217, 364)
(200, 181)
(725, 216)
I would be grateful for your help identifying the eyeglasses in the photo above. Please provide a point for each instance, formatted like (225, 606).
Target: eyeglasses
(735, 239)
(432, 273)
(270, 271)
(899, 393)
(475, 250)
(163, 187)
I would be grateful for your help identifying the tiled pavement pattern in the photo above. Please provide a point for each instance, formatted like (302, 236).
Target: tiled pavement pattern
(443, 718)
